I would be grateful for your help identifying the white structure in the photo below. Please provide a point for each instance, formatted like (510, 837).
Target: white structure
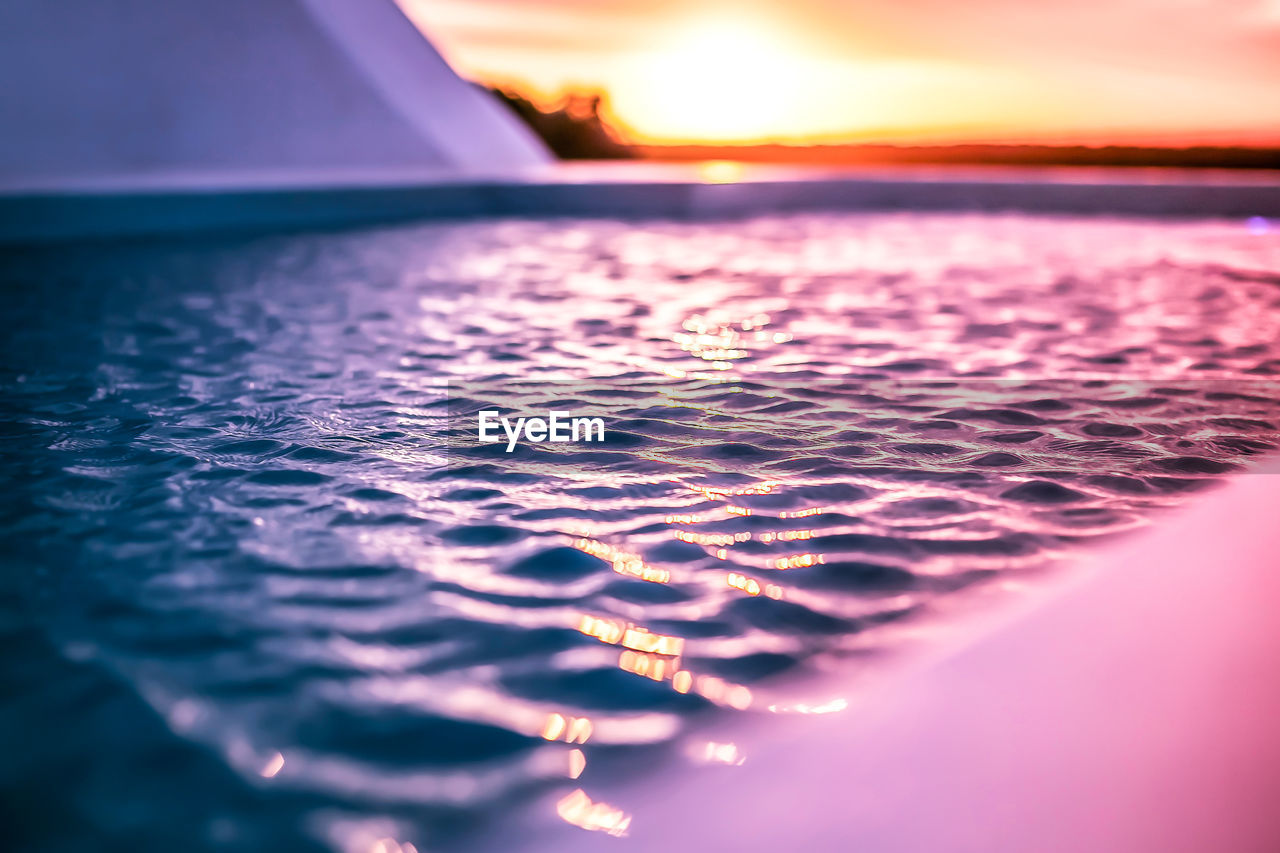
(158, 94)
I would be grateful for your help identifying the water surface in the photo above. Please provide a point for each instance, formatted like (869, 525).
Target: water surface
(261, 588)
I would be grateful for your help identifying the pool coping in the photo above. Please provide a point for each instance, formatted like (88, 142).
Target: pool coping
(156, 207)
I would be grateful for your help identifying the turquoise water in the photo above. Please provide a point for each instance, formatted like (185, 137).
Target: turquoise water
(262, 587)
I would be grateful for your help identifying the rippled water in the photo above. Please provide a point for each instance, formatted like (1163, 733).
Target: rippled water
(261, 587)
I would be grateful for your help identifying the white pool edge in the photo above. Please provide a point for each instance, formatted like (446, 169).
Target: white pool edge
(177, 205)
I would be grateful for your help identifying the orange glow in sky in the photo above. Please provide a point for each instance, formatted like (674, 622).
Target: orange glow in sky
(1068, 71)
(712, 80)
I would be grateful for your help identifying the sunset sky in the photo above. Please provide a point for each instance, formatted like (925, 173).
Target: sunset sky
(1090, 71)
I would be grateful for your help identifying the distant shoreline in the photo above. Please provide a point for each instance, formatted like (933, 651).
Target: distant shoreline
(575, 129)
(1195, 157)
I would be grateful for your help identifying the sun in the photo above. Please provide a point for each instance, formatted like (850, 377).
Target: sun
(715, 81)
